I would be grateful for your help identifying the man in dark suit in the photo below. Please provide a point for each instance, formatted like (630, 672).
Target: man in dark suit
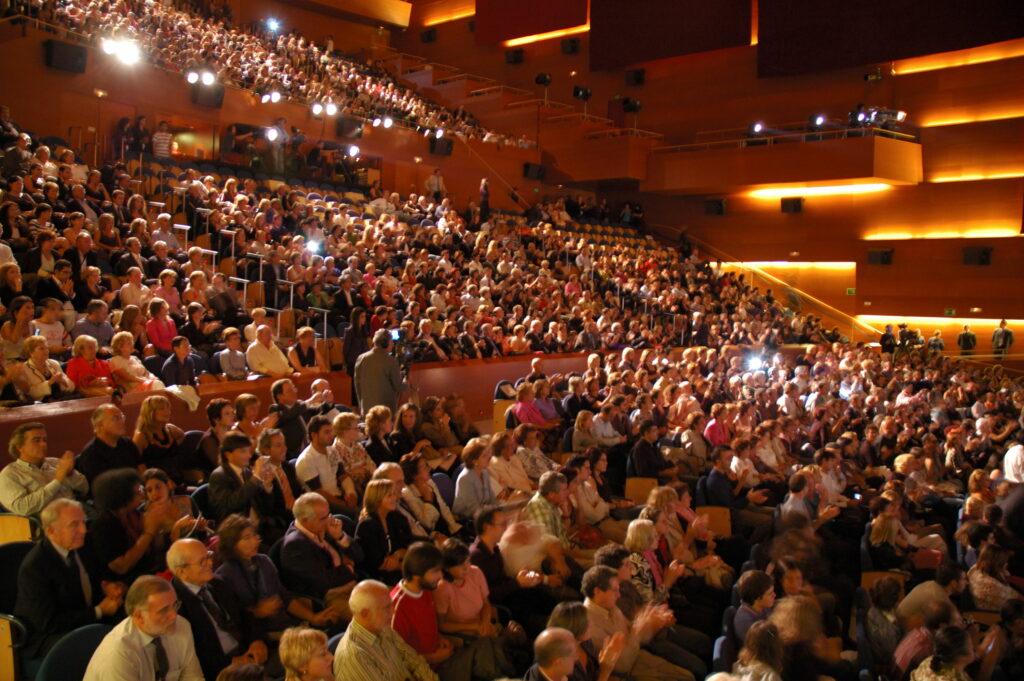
(645, 461)
(81, 256)
(315, 554)
(211, 608)
(58, 585)
(234, 486)
(160, 261)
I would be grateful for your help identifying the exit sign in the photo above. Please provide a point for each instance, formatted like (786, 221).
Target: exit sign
(949, 311)
(851, 291)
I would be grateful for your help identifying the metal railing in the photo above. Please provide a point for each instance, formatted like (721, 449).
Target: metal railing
(787, 138)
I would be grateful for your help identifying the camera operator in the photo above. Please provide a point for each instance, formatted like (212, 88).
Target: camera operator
(378, 375)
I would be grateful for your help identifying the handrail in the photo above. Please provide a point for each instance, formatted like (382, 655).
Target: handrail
(768, 140)
(731, 259)
(548, 103)
(626, 132)
(580, 116)
(464, 76)
(500, 88)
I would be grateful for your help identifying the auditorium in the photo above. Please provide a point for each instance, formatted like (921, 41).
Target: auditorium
(549, 340)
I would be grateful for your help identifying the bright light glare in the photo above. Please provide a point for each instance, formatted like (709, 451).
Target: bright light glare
(388, 122)
(754, 363)
(331, 108)
(834, 190)
(272, 134)
(208, 78)
(318, 109)
(192, 77)
(273, 25)
(128, 52)
(758, 127)
(440, 133)
(109, 46)
(376, 122)
(353, 150)
(901, 116)
(265, 98)
(313, 246)
(275, 96)
(819, 121)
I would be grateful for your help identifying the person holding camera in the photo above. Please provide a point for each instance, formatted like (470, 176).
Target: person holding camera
(378, 377)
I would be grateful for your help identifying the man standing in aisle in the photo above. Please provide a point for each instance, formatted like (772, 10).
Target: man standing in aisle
(1002, 340)
(435, 186)
(966, 341)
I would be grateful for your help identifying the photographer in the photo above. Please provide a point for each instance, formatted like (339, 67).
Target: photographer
(378, 377)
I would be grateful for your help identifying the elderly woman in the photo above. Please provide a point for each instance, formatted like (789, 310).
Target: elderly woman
(474, 488)
(41, 378)
(90, 374)
(383, 532)
(582, 432)
(256, 583)
(304, 356)
(128, 371)
(423, 499)
(506, 468)
(358, 464)
(304, 655)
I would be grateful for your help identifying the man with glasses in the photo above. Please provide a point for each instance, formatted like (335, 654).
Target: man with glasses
(210, 606)
(152, 643)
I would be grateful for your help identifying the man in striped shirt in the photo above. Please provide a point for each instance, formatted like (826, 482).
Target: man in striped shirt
(371, 650)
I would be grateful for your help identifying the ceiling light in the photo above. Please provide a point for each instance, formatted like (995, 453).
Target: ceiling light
(832, 190)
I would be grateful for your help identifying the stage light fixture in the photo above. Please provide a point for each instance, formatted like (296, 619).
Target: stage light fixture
(192, 77)
(208, 78)
(388, 122)
(426, 133)
(318, 109)
(273, 25)
(272, 134)
(331, 108)
(275, 96)
(755, 129)
(265, 98)
(440, 133)
(108, 46)
(353, 151)
(581, 93)
(377, 121)
(543, 79)
(818, 121)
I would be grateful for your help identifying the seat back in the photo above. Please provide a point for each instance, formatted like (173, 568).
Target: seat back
(511, 421)
(719, 519)
(445, 486)
(274, 553)
(11, 556)
(986, 617)
(190, 443)
(19, 528)
(567, 440)
(637, 489)
(700, 495)
(724, 655)
(201, 498)
(500, 406)
(70, 656)
(869, 577)
(11, 632)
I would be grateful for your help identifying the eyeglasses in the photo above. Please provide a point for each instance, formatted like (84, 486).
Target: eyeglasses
(173, 607)
(208, 559)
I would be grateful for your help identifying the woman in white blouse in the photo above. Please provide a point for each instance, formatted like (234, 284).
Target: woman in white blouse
(422, 497)
(40, 377)
(129, 372)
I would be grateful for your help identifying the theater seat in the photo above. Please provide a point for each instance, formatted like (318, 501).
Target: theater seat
(69, 658)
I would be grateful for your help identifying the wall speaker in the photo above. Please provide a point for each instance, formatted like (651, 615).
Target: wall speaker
(441, 147)
(471, 25)
(65, 56)
(793, 204)
(714, 207)
(636, 76)
(533, 171)
(428, 36)
(348, 127)
(880, 256)
(514, 56)
(978, 255)
(630, 105)
(570, 46)
(208, 95)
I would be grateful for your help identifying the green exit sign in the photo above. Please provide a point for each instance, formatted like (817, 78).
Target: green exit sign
(949, 311)
(851, 291)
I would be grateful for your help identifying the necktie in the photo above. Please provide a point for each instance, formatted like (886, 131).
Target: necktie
(214, 610)
(286, 488)
(83, 578)
(161, 666)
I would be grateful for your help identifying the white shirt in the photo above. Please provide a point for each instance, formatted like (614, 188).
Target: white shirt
(126, 654)
(321, 465)
(1013, 464)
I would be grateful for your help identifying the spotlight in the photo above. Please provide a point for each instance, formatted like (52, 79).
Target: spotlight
(192, 77)
(861, 117)
(272, 134)
(109, 46)
(543, 79)
(815, 124)
(208, 78)
(388, 122)
(313, 246)
(439, 134)
(377, 121)
(901, 116)
(754, 364)
(353, 151)
(273, 25)
(331, 108)
(265, 99)
(754, 132)
(275, 96)
(318, 109)
(127, 52)
(581, 93)
(426, 133)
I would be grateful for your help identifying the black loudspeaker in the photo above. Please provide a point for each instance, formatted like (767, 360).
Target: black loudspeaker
(65, 56)
(571, 46)
(630, 105)
(714, 207)
(428, 36)
(880, 256)
(793, 205)
(208, 95)
(533, 171)
(441, 147)
(978, 255)
(636, 76)
(514, 56)
(348, 127)
(472, 25)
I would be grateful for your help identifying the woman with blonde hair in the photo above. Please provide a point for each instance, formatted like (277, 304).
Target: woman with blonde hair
(377, 425)
(582, 432)
(41, 378)
(128, 371)
(158, 439)
(304, 655)
(304, 355)
(651, 578)
(383, 532)
(134, 322)
(761, 656)
(90, 374)
(805, 653)
(358, 464)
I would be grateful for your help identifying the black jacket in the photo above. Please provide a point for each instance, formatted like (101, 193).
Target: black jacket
(212, 657)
